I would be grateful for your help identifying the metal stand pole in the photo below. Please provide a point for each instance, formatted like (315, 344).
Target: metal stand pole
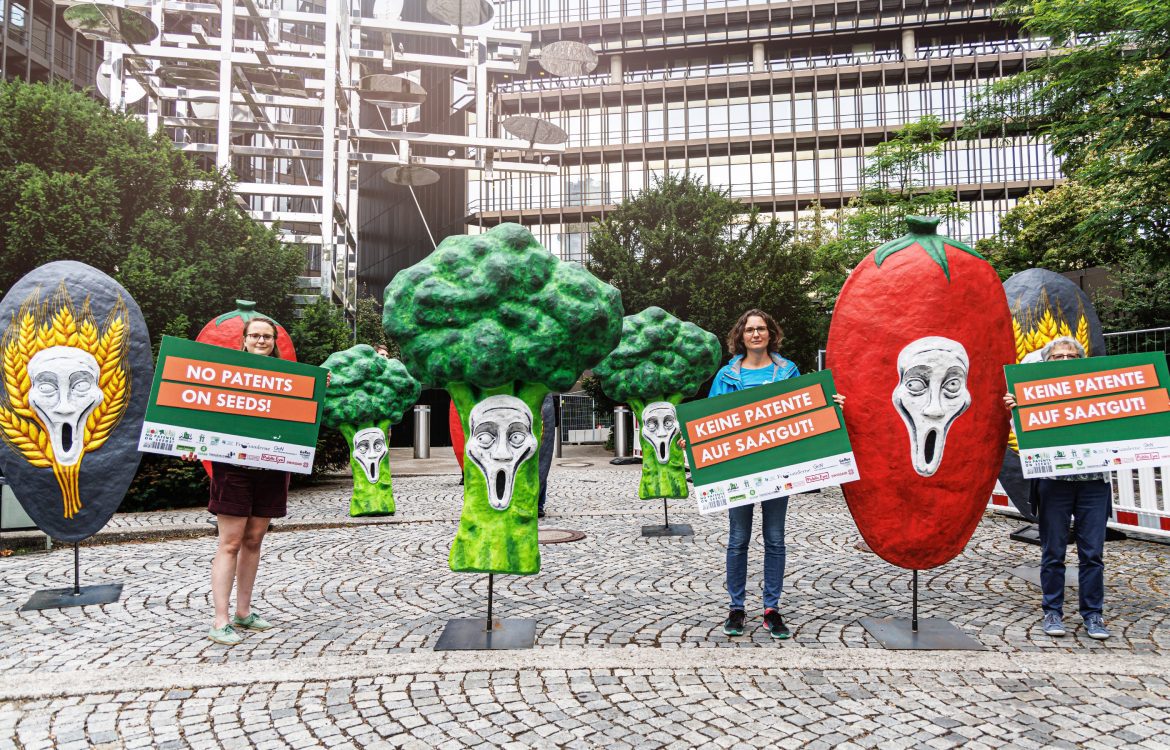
(665, 514)
(491, 579)
(75, 595)
(914, 605)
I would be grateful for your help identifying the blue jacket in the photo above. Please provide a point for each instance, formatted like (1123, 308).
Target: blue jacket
(727, 380)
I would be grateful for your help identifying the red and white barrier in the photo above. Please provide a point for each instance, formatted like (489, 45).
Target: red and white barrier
(1141, 500)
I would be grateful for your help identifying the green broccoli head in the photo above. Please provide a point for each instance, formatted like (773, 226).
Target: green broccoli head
(496, 308)
(658, 355)
(365, 387)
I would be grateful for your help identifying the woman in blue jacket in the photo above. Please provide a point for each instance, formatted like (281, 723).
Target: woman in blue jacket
(754, 343)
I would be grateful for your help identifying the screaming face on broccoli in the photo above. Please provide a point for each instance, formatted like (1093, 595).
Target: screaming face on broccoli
(499, 322)
(367, 393)
(660, 361)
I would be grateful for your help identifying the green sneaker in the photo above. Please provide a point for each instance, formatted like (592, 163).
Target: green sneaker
(251, 622)
(225, 635)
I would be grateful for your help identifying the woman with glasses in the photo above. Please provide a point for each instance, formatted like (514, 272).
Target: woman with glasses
(754, 342)
(244, 500)
(1085, 501)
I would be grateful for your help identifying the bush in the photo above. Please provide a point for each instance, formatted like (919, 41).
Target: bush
(165, 482)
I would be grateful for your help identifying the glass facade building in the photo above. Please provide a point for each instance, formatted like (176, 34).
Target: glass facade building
(778, 102)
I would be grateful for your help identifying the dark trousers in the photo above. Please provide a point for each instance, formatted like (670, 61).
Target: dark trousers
(1086, 504)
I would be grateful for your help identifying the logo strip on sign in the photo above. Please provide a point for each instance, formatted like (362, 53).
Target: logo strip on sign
(1084, 411)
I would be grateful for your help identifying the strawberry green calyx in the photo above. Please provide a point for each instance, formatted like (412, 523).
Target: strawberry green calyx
(924, 233)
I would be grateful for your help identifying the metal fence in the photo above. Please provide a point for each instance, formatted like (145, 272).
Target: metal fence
(1144, 340)
(580, 421)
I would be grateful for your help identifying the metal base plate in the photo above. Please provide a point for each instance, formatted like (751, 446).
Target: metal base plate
(61, 598)
(1029, 534)
(933, 634)
(675, 529)
(625, 461)
(472, 635)
(1031, 574)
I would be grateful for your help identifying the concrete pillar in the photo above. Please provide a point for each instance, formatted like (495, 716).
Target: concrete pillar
(615, 68)
(759, 64)
(908, 52)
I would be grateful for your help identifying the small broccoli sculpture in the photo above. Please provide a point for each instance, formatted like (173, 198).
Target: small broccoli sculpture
(367, 393)
(659, 361)
(499, 322)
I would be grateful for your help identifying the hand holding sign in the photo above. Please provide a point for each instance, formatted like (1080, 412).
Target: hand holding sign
(1086, 415)
(233, 407)
(771, 441)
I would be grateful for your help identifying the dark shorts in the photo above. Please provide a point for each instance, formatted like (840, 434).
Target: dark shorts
(240, 491)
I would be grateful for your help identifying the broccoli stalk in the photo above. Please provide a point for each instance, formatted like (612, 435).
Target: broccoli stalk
(493, 318)
(660, 360)
(367, 393)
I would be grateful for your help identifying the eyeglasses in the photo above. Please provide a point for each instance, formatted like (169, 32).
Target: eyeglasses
(260, 336)
(1063, 356)
(750, 331)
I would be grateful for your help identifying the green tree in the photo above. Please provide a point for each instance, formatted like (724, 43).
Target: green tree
(1101, 104)
(702, 256)
(1053, 229)
(321, 330)
(895, 187)
(1046, 229)
(369, 325)
(81, 182)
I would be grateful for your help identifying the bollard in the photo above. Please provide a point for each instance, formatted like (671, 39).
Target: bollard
(621, 432)
(558, 402)
(422, 431)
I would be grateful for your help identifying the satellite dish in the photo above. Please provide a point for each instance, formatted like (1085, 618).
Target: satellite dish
(388, 10)
(274, 81)
(534, 130)
(132, 90)
(410, 176)
(188, 76)
(461, 12)
(395, 92)
(210, 111)
(568, 58)
(110, 23)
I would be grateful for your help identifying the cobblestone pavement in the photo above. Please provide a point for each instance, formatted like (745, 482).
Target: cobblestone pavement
(629, 648)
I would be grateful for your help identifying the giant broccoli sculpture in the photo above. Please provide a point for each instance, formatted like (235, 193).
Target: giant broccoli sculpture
(367, 393)
(659, 361)
(499, 322)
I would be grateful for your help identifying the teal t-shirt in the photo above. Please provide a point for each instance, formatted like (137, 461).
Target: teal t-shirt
(759, 376)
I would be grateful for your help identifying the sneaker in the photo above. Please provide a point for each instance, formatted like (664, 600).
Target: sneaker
(733, 625)
(1095, 627)
(775, 625)
(1053, 624)
(224, 635)
(251, 622)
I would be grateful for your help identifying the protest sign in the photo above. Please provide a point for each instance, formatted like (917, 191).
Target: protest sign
(1088, 415)
(233, 407)
(766, 442)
